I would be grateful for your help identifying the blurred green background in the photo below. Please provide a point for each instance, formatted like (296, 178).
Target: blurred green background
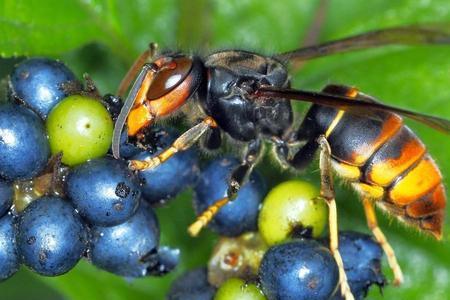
(102, 37)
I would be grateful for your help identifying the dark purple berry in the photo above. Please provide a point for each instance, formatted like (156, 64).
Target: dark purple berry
(104, 191)
(9, 260)
(127, 149)
(162, 261)
(241, 214)
(6, 197)
(174, 175)
(192, 285)
(362, 262)
(299, 269)
(126, 249)
(24, 148)
(51, 237)
(38, 82)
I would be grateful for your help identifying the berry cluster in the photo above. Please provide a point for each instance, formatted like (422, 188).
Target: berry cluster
(281, 260)
(64, 198)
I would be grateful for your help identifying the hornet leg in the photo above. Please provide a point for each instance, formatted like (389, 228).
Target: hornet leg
(327, 193)
(183, 142)
(238, 177)
(381, 239)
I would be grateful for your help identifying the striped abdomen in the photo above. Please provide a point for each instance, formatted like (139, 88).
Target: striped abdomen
(391, 165)
(385, 161)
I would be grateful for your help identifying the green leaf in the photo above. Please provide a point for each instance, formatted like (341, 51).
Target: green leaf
(102, 37)
(53, 27)
(30, 28)
(263, 26)
(120, 30)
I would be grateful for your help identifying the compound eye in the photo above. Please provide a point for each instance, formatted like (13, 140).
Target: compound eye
(169, 77)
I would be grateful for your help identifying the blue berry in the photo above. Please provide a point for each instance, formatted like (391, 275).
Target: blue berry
(298, 270)
(51, 237)
(6, 197)
(192, 285)
(9, 260)
(362, 262)
(127, 149)
(236, 217)
(38, 83)
(167, 180)
(104, 191)
(120, 249)
(162, 261)
(24, 147)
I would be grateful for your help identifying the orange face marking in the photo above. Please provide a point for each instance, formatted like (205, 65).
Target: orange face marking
(416, 183)
(161, 93)
(428, 204)
(140, 116)
(171, 101)
(384, 172)
(390, 127)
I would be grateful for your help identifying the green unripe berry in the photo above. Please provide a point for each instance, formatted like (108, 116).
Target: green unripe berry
(81, 128)
(235, 288)
(290, 209)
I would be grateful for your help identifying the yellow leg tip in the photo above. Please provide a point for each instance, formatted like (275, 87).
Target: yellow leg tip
(206, 216)
(398, 280)
(398, 274)
(346, 292)
(348, 295)
(195, 228)
(136, 165)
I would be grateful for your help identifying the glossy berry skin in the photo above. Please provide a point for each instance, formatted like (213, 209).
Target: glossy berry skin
(127, 149)
(236, 217)
(81, 128)
(24, 148)
(297, 270)
(163, 261)
(51, 237)
(235, 288)
(174, 175)
(9, 260)
(292, 209)
(362, 262)
(38, 83)
(104, 191)
(6, 197)
(192, 285)
(119, 249)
